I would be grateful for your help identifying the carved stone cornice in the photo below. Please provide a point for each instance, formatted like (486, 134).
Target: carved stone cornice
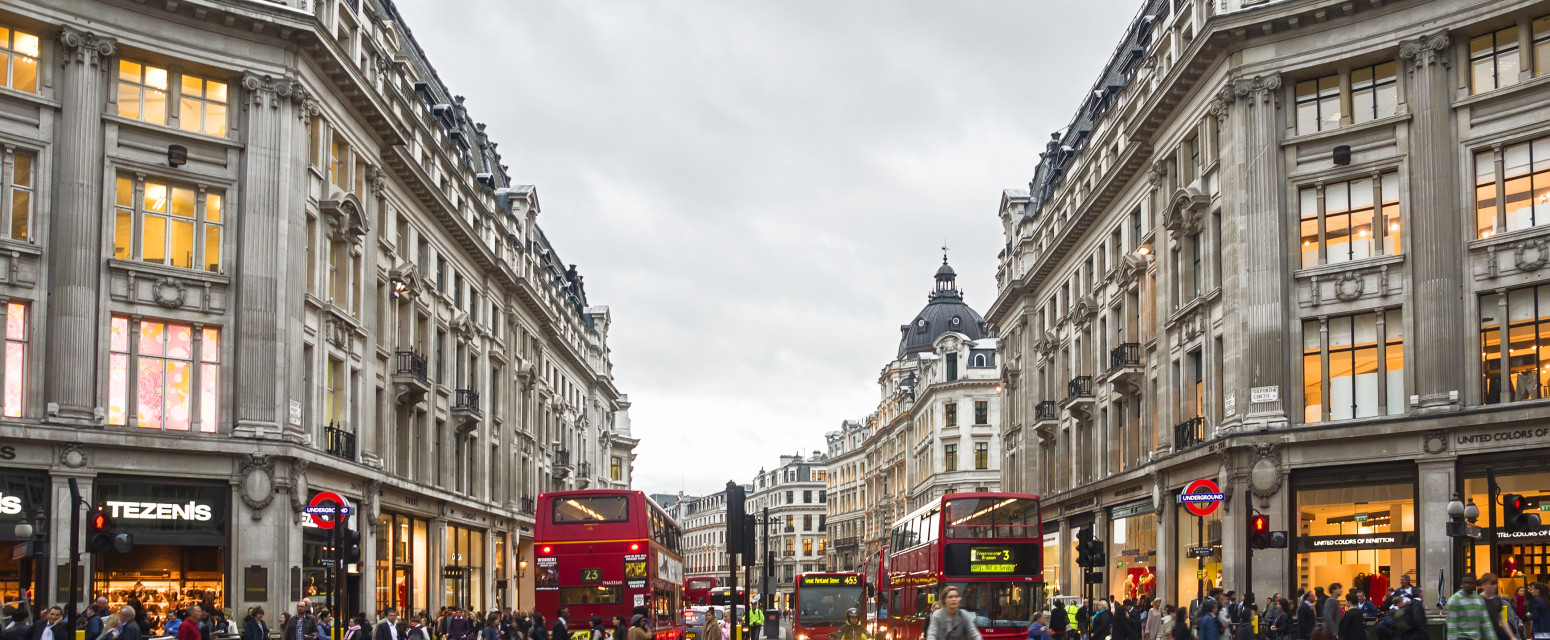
(1427, 50)
(1261, 89)
(1220, 102)
(85, 47)
(275, 91)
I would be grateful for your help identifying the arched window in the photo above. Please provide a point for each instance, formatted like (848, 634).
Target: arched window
(979, 359)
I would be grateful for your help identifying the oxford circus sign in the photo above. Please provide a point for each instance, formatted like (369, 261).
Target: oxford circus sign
(1201, 497)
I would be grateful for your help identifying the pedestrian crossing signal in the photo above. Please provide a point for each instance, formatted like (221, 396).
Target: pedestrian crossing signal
(102, 534)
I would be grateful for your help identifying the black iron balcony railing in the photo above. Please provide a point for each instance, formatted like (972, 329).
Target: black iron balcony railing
(584, 469)
(338, 442)
(1045, 410)
(413, 364)
(562, 458)
(466, 400)
(1125, 355)
(1080, 387)
(1189, 433)
(527, 505)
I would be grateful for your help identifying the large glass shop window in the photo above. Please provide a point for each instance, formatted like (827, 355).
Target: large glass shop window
(1196, 575)
(463, 574)
(1133, 555)
(401, 547)
(1359, 536)
(1525, 558)
(1052, 561)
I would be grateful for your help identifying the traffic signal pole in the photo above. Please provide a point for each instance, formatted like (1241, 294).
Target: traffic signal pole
(76, 568)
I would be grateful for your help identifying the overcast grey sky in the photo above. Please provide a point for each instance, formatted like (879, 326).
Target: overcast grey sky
(759, 189)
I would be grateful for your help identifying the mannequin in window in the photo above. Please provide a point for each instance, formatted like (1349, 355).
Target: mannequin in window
(1525, 386)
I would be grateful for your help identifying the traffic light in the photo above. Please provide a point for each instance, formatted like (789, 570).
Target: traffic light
(102, 534)
(1089, 550)
(351, 542)
(1519, 519)
(736, 516)
(750, 548)
(1259, 531)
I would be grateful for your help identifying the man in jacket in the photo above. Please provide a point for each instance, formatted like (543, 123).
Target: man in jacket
(52, 627)
(303, 625)
(561, 625)
(1329, 618)
(189, 630)
(125, 626)
(1307, 617)
(387, 629)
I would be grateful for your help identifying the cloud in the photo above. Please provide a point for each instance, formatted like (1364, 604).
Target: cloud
(759, 189)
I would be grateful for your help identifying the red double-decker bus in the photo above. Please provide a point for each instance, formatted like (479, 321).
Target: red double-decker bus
(989, 545)
(603, 552)
(823, 599)
(697, 591)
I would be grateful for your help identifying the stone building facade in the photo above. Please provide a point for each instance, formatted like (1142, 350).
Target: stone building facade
(796, 494)
(936, 429)
(1279, 248)
(309, 271)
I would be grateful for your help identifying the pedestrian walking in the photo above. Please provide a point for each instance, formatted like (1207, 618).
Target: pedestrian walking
(302, 626)
(188, 629)
(538, 632)
(388, 628)
(1209, 626)
(1103, 620)
(561, 629)
(951, 622)
(640, 625)
(1466, 614)
(1353, 623)
(253, 627)
(621, 628)
(1538, 606)
(1411, 621)
(1036, 628)
(1329, 615)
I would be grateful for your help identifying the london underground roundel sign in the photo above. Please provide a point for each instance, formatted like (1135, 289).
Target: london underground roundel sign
(326, 508)
(1201, 497)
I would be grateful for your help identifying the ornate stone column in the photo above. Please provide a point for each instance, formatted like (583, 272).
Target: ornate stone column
(259, 385)
(1436, 247)
(75, 231)
(1251, 109)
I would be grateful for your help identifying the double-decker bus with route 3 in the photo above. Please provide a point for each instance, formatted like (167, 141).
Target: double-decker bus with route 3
(989, 545)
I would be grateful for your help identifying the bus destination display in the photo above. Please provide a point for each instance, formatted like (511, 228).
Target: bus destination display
(989, 560)
(831, 580)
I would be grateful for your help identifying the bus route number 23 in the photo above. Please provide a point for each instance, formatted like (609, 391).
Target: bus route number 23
(591, 575)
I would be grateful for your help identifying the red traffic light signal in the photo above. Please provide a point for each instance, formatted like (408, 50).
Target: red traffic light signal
(102, 534)
(1259, 531)
(1518, 514)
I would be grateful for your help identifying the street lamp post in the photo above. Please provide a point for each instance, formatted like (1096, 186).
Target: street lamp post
(1461, 520)
(34, 557)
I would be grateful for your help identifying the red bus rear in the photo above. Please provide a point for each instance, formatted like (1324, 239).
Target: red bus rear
(697, 591)
(603, 552)
(822, 601)
(989, 545)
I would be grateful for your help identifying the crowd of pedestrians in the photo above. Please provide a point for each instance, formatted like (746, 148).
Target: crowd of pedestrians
(310, 622)
(1477, 611)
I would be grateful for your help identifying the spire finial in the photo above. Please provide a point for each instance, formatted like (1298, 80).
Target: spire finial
(944, 251)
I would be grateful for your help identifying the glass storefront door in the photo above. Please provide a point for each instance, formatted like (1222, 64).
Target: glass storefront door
(401, 547)
(1357, 534)
(1132, 551)
(1196, 574)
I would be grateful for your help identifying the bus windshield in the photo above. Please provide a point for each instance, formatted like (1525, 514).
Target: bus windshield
(992, 518)
(997, 604)
(591, 509)
(824, 606)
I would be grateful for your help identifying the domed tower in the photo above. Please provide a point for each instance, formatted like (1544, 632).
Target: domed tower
(945, 311)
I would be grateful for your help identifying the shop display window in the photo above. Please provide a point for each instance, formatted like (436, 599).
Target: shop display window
(162, 578)
(401, 548)
(1052, 583)
(463, 573)
(1133, 556)
(1525, 558)
(1358, 535)
(1196, 575)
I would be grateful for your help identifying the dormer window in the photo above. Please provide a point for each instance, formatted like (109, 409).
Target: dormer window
(920, 325)
(957, 321)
